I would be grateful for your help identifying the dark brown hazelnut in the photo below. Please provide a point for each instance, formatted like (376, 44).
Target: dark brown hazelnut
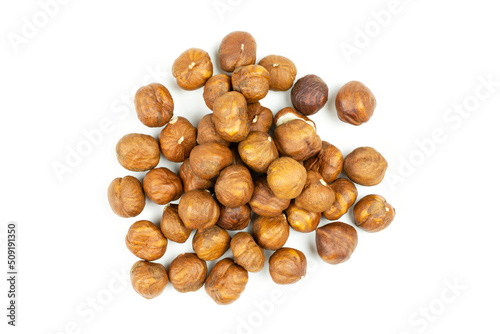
(271, 232)
(198, 209)
(287, 266)
(355, 103)
(345, 195)
(328, 162)
(154, 105)
(207, 160)
(207, 132)
(309, 94)
(286, 177)
(282, 72)
(252, 81)
(336, 242)
(264, 202)
(172, 226)
(237, 49)
(234, 186)
(138, 152)
(192, 69)
(297, 139)
(231, 117)
(301, 220)
(190, 180)
(261, 118)
(215, 87)
(177, 139)
(234, 219)
(145, 240)
(247, 253)
(187, 272)
(365, 166)
(258, 150)
(126, 197)
(148, 279)
(226, 282)
(373, 214)
(317, 196)
(162, 186)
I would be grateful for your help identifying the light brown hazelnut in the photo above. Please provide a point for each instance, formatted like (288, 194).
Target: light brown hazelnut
(264, 202)
(138, 152)
(345, 195)
(190, 180)
(286, 177)
(145, 240)
(187, 272)
(231, 117)
(207, 160)
(192, 69)
(287, 266)
(373, 214)
(226, 282)
(207, 132)
(271, 232)
(148, 279)
(234, 186)
(215, 87)
(328, 162)
(336, 242)
(309, 94)
(261, 118)
(172, 226)
(237, 49)
(365, 166)
(234, 219)
(252, 81)
(162, 186)
(154, 105)
(301, 220)
(297, 139)
(247, 253)
(211, 243)
(282, 72)
(316, 196)
(177, 139)
(258, 150)
(198, 209)
(355, 103)
(126, 197)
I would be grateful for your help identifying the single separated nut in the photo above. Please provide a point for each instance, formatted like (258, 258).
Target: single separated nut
(345, 195)
(148, 279)
(287, 266)
(234, 219)
(211, 243)
(261, 118)
(309, 94)
(252, 81)
(162, 186)
(317, 196)
(271, 232)
(207, 132)
(207, 160)
(190, 180)
(215, 87)
(187, 272)
(237, 49)
(365, 166)
(286, 177)
(264, 202)
(336, 242)
(126, 197)
(355, 103)
(145, 240)
(154, 105)
(328, 162)
(301, 220)
(231, 117)
(192, 69)
(226, 282)
(172, 226)
(258, 150)
(282, 72)
(198, 209)
(177, 139)
(234, 186)
(247, 253)
(373, 214)
(138, 152)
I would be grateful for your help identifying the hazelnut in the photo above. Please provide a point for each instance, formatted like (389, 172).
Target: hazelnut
(309, 94)
(207, 132)
(317, 196)
(297, 139)
(271, 232)
(126, 197)
(355, 103)
(234, 219)
(252, 81)
(154, 105)
(328, 162)
(261, 118)
(138, 152)
(286, 177)
(226, 282)
(162, 186)
(190, 180)
(145, 240)
(172, 226)
(258, 150)
(148, 279)
(264, 202)
(345, 195)
(198, 209)
(215, 87)
(289, 114)
(231, 117)
(282, 72)
(336, 242)
(365, 166)
(373, 214)
(247, 253)
(187, 272)
(192, 69)
(234, 186)
(177, 139)
(301, 220)
(237, 49)
(207, 160)
(287, 266)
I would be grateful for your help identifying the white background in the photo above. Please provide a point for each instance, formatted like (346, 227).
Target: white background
(82, 67)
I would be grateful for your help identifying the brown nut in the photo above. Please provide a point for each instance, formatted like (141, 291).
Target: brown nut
(148, 279)
(190, 180)
(126, 197)
(301, 220)
(247, 253)
(234, 186)
(226, 282)
(187, 272)
(231, 117)
(282, 72)
(145, 240)
(252, 81)
(138, 152)
(271, 232)
(154, 105)
(365, 166)
(162, 186)
(215, 87)
(258, 150)
(198, 209)
(289, 114)
(207, 160)
(237, 49)
(345, 195)
(328, 162)
(373, 214)
(261, 118)
(287, 266)
(297, 139)
(264, 202)
(317, 195)
(172, 226)
(355, 103)
(234, 219)
(207, 132)
(336, 242)
(286, 177)
(309, 94)
(192, 69)
(177, 139)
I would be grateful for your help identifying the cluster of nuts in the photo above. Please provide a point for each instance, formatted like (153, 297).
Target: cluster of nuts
(232, 166)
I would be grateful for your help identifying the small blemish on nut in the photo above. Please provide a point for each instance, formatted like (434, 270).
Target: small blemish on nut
(276, 65)
(242, 47)
(387, 209)
(173, 120)
(181, 139)
(192, 65)
(323, 182)
(254, 120)
(269, 138)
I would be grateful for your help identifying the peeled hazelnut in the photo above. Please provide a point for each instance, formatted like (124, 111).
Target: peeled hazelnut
(126, 197)
(237, 49)
(328, 162)
(297, 139)
(309, 94)
(162, 186)
(289, 114)
(336, 242)
(231, 117)
(154, 105)
(145, 240)
(207, 132)
(271, 232)
(207, 160)
(258, 150)
(287, 266)
(301, 220)
(247, 253)
(234, 219)
(264, 202)
(345, 195)
(177, 139)
(373, 214)
(138, 152)
(192, 69)
(226, 282)
(172, 226)
(187, 272)
(234, 186)
(215, 87)
(148, 279)
(286, 177)
(252, 81)
(365, 166)
(198, 209)
(261, 118)
(355, 103)
(190, 180)
(317, 196)
(282, 72)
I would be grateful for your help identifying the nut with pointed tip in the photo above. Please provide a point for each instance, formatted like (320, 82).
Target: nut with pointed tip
(247, 253)
(162, 186)
(252, 81)
(230, 117)
(190, 180)
(264, 202)
(271, 232)
(237, 49)
(148, 279)
(145, 240)
(282, 72)
(126, 197)
(345, 195)
(287, 266)
(192, 69)
(336, 242)
(207, 160)
(286, 177)
(355, 103)
(365, 166)
(215, 87)
(226, 282)
(198, 209)
(211, 243)
(177, 139)
(172, 226)
(309, 94)
(328, 162)
(207, 132)
(373, 214)
(317, 196)
(258, 151)
(138, 152)
(297, 139)
(154, 105)
(187, 272)
(261, 118)
(234, 219)
(234, 186)
(301, 220)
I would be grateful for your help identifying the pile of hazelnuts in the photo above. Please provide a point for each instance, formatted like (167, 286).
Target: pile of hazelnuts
(242, 159)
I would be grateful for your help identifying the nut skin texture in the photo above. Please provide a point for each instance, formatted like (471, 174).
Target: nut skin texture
(271, 232)
(282, 72)
(301, 220)
(177, 139)
(138, 152)
(237, 49)
(126, 197)
(211, 243)
(230, 117)
(328, 162)
(365, 166)
(148, 279)
(261, 118)
(309, 94)
(145, 240)
(226, 282)
(345, 195)
(252, 81)
(198, 209)
(215, 87)
(336, 242)
(172, 226)
(258, 151)
(234, 219)
(355, 103)
(286, 178)
(207, 132)
(264, 202)
(187, 272)
(154, 105)
(373, 214)
(207, 160)
(162, 186)
(317, 195)
(297, 139)
(287, 266)
(247, 253)
(190, 180)
(234, 186)
(192, 69)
